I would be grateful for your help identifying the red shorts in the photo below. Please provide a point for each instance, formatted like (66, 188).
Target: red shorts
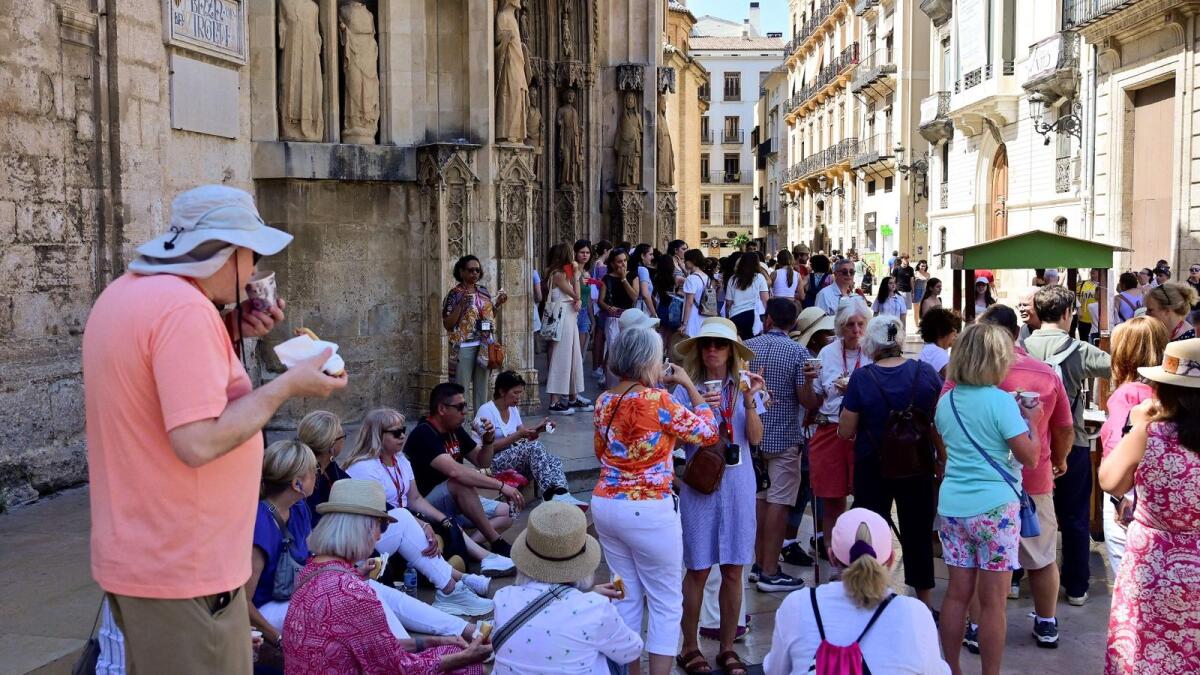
(830, 463)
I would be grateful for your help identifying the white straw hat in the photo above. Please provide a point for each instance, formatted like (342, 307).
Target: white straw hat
(215, 213)
(555, 546)
(720, 328)
(360, 497)
(1180, 366)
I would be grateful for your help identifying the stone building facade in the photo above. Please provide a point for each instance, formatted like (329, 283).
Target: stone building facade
(390, 137)
(685, 106)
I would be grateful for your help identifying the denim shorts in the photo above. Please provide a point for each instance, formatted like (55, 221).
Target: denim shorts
(585, 320)
(443, 501)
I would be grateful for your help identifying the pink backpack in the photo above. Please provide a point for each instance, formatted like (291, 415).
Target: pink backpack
(833, 659)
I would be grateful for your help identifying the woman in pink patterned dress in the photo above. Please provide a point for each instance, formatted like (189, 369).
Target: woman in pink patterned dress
(1154, 624)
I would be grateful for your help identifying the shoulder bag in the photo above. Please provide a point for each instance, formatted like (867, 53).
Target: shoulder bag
(704, 471)
(286, 567)
(503, 633)
(906, 447)
(1029, 521)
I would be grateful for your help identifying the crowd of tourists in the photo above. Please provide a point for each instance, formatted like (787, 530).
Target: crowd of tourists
(736, 393)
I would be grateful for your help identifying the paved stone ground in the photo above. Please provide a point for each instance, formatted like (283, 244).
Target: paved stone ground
(49, 599)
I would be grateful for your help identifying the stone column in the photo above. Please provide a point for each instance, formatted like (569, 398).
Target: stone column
(629, 197)
(449, 183)
(515, 183)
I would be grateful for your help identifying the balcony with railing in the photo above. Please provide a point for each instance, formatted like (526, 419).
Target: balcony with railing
(834, 74)
(733, 136)
(935, 118)
(1080, 13)
(938, 11)
(835, 156)
(706, 136)
(861, 7)
(1052, 68)
(704, 93)
(876, 74)
(731, 177)
(705, 177)
(825, 15)
(875, 152)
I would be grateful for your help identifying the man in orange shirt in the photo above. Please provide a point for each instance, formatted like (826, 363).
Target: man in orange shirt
(174, 434)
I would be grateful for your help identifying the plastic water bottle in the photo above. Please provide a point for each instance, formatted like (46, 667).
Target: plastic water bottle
(410, 580)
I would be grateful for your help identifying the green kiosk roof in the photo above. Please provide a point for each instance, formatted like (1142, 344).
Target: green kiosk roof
(1034, 249)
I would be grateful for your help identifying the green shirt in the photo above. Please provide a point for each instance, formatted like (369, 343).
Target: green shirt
(1087, 362)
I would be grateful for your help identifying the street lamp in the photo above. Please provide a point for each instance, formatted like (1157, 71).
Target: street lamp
(1070, 123)
(919, 168)
(823, 182)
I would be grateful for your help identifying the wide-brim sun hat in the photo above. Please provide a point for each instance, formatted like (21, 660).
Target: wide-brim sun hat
(715, 327)
(1180, 366)
(215, 213)
(555, 547)
(360, 497)
(845, 535)
(636, 318)
(811, 320)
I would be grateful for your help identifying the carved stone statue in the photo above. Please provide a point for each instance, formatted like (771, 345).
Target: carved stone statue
(533, 124)
(356, 26)
(301, 86)
(629, 144)
(666, 154)
(512, 75)
(570, 141)
(566, 37)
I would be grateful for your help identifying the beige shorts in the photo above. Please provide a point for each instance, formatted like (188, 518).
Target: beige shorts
(784, 470)
(1042, 550)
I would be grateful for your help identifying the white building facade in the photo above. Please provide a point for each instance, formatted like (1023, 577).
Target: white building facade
(769, 139)
(737, 66)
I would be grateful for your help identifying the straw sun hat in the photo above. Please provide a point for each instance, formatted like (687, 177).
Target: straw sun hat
(360, 497)
(1180, 366)
(555, 546)
(720, 328)
(811, 320)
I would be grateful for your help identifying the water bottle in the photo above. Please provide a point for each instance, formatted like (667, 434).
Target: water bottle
(410, 580)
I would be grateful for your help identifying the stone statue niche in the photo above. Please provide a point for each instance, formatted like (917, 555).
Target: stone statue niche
(628, 145)
(533, 124)
(512, 75)
(356, 28)
(301, 85)
(666, 154)
(570, 142)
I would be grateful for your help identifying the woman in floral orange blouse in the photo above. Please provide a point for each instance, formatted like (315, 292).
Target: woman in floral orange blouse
(469, 317)
(636, 514)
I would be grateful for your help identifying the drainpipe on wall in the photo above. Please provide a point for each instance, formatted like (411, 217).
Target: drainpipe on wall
(1089, 155)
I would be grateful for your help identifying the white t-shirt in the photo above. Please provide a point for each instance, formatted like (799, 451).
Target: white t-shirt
(903, 639)
(695, 283)
(893, 306)
(781, 288)
(488, 411)
(934, 356)
(388, 476)
(745, 299)
(830, 299)
(833, 366)
(647, 287)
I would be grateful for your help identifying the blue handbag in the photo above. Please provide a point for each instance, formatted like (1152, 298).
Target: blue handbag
(1030, 527)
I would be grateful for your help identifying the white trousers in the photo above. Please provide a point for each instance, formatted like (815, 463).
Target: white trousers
(710, 608)
(406, 537)
(1114, 536)
(643, 543)
(403, 613)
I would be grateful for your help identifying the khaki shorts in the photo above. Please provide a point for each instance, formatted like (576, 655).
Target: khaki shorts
(203, 635)
(784, 470)
(1042, 550)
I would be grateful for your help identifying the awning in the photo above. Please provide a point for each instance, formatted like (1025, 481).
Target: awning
(1038, 249)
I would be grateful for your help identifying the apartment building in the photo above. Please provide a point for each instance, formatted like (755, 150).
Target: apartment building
(1141, 118)
(769, 142)
(685, 107)
(737, 66)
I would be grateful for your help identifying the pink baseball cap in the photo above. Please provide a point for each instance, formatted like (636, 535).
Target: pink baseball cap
(847, 543)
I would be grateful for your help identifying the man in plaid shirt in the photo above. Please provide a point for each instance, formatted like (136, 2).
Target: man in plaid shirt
(781, 362)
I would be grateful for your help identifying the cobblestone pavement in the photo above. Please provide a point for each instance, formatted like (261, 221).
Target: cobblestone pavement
(50, 600)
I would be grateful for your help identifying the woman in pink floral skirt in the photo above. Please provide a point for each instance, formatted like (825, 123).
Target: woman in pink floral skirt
(1154, 624)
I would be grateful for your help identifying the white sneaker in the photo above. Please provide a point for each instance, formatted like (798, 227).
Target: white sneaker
(496, 565)
(1077, 601)
(568, 498)
(477, 583)
(463, 601)
(599, 376)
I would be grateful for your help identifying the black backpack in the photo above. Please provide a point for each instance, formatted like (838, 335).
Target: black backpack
(906, 447)
(812, 287)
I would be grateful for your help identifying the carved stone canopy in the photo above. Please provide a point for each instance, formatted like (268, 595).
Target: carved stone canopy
(571, 74)
(631, 77)
(666, 79)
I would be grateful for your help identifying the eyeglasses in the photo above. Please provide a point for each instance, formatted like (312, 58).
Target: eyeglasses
(396, 433)
(460, 407)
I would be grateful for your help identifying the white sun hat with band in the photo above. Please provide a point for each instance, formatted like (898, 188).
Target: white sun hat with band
(555, 546)
(721, 329)
(1180, 366)
(215, 213)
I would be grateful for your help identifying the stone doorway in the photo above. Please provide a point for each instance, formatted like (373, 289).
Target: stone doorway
(998, 202)
(1151, 135)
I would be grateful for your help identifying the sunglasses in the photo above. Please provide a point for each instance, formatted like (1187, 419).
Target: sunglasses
(473, 270)
(709, 343)
(396, 433)
(845, 273)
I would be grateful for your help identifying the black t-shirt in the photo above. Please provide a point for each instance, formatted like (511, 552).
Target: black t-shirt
(425, 444)
(904, 278)
(615, 294)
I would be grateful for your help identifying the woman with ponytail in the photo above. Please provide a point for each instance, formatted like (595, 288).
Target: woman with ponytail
(858, 623)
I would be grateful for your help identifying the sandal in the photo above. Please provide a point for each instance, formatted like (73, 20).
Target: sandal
(731, 663)
(694, 663)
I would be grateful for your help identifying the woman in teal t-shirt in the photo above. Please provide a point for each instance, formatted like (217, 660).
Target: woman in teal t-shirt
(981, 529)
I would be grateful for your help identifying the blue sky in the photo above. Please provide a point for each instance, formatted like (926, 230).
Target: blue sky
(774, 12)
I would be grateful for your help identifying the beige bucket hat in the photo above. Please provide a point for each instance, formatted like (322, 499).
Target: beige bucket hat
(555, 546)
(360, 497)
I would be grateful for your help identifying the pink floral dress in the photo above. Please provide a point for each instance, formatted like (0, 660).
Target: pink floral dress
(1154, 624)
